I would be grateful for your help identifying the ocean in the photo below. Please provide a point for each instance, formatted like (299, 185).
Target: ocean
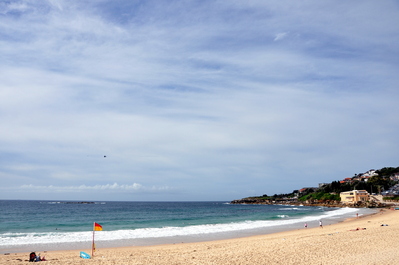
(55, 225)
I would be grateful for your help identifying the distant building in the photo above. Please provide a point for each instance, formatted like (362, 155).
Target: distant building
(395, 177)
(357, 178)
(370, 173)
(323, 184)
(365, 179)
(354, 196)
(308, 189)
(391, 192)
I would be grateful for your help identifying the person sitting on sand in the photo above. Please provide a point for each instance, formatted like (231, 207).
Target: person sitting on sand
(32, 257)
(357, 229)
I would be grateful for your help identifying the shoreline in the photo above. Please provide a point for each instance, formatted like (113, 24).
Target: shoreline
(250, 229)
(338, 243)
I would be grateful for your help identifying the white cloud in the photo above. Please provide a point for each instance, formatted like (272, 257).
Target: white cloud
(280, 36)
(84, 188)
(13, 7)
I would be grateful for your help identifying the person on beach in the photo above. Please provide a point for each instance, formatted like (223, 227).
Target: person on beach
(32, 257)
(306, 225)
(357, 229)
(321, 224)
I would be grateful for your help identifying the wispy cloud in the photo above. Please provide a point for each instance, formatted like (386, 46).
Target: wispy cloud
(214, 99)
(280, 36)
(84, 188)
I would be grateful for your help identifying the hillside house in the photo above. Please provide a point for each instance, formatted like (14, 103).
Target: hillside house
(370, 173)
(309, 189)
(395, 177)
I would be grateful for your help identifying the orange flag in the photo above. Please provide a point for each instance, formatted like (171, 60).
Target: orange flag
(97, 227)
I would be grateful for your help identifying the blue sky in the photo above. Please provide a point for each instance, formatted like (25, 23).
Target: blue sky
(194, 100)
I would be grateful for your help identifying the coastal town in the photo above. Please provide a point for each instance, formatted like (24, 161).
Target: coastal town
(374, 188)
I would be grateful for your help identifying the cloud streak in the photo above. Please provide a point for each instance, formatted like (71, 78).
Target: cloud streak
(115, 187)
(217, 100)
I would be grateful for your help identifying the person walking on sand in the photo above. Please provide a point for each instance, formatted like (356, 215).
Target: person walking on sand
(321, 224)
(306, 225)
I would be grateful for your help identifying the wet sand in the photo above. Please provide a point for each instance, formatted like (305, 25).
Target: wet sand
(357, 241)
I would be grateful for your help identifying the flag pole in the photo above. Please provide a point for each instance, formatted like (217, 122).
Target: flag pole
(92, 245)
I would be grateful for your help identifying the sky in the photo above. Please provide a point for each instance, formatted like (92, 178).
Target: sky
(189, 100)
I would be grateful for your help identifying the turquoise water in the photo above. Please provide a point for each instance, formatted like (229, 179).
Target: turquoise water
(49, 225)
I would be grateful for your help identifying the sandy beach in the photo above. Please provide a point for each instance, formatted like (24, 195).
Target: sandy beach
(357, 241)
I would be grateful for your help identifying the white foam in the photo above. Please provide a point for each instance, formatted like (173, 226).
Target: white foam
(282, 216)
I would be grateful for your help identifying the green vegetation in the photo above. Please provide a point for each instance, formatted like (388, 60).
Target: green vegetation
(275, 196)
(396, 198)
(321, 196)
(387, 171)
